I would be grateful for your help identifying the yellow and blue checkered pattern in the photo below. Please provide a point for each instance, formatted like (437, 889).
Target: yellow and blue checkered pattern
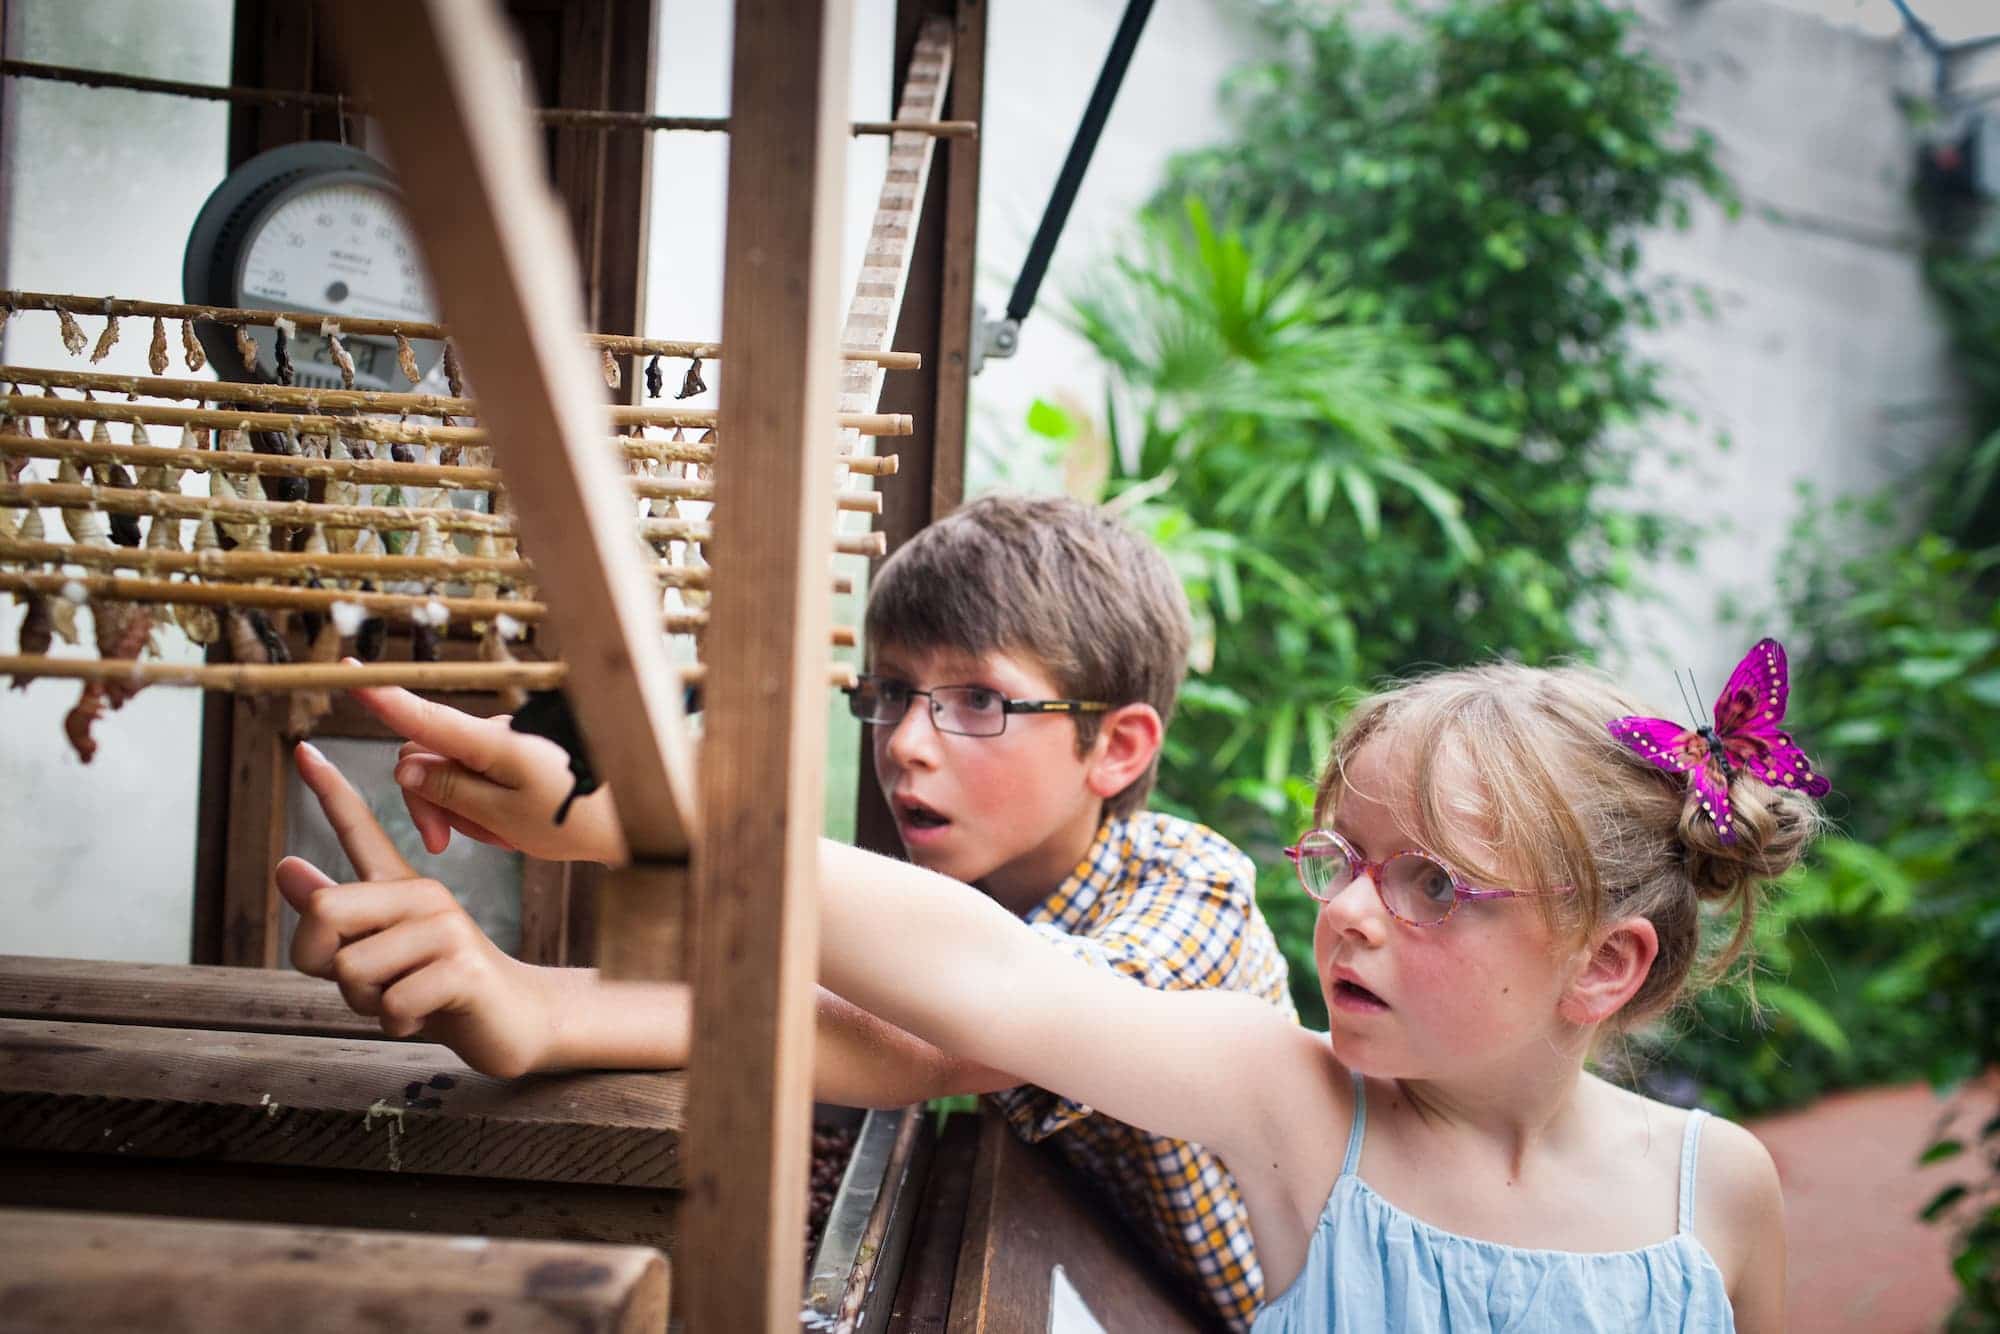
(1171, 904)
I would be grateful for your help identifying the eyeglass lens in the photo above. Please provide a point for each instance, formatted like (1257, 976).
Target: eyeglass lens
(1415, 886)
(966, 710)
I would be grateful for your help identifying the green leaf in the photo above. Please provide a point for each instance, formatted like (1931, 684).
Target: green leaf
(1938, 1152)
(1813, 1019)
(1365, 500)
(1942, 1202)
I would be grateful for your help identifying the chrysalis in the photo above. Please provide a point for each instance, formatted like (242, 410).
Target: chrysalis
(106, 340)
(612, 375)
(406, 359)
(656, 381)
(692, 383)
(246, 348)
(338, 353)
(191, 351)
(454, 375)
(72, 333)
(156, 354)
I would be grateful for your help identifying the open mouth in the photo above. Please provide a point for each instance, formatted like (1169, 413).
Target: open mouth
(919, 816)
(1357, 995)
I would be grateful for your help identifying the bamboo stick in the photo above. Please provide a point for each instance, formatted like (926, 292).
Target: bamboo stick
(295, 513)
(37, 405)
(306, 564)
(386, 472)
(558, 117)
(271, 678)
(329, 400)
(109, 588)
(235, 316)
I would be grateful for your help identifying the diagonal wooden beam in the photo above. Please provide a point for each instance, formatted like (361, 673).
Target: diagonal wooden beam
(442, 76)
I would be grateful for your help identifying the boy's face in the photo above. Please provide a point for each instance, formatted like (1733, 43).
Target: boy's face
(1012, 814)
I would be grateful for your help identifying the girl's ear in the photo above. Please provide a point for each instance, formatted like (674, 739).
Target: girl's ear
(1128, 738)
(1616, 966)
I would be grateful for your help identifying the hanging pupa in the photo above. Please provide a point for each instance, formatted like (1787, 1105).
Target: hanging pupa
(340, 356)
(106, 340)
(406, 360)
(246, 348)
(72, 333)
(191, 352)
(156, 353)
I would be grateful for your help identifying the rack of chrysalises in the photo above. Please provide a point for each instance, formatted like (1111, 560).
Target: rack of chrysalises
(227, 509)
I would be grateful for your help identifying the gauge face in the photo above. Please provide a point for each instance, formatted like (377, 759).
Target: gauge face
(316, 229)
(341, 248)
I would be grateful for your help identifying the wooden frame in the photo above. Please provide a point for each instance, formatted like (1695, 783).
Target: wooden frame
(581, 53)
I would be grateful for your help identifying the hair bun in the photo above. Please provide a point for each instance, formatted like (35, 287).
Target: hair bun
(1773, 827)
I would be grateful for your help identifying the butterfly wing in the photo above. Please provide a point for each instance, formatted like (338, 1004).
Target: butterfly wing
(1712, 784)
(1747, 716)
(1662, 744)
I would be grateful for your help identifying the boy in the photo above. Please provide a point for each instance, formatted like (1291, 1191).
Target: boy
(1024, 659)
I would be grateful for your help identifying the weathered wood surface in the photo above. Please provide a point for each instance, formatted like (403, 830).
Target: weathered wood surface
(328, 1102)
(107, 1272)
(764, 741)
(164, 995)
(336, 1197)
(1027, 1213)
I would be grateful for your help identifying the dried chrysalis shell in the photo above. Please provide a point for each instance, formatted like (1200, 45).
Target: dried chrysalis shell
(163, 533)
(340, 491)
(454, 374)
(156, 353)
(199, 623)
(609, 364)
(191, 351)
(31, 529)
(656, 380)
(84, 525)
(139, 436)
(36, 634)
(72, 333)
(430, 542)
(77, 722)
(62, 615)
(123, 631)
(100, 432)
(246, 348)
(692, 383)
(339, 354)
(106, 340)
(287, 375)
(406, 359)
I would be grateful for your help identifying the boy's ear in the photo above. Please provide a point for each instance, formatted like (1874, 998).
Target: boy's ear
(1128, 737)
(1615, 966)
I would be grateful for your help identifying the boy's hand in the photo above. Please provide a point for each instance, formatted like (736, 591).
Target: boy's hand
(489, 782)
(404, 950)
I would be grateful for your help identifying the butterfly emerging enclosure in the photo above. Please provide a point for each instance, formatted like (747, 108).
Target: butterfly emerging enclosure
(513, 535)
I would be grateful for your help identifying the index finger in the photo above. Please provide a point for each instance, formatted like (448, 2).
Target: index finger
(456, 736)
(361, 837)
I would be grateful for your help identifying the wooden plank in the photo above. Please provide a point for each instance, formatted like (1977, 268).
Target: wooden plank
(329, 1197)
(162, 995)
(329, 1102)
(764, 747)
(1028, 1213)
(507, 282)
(625, 229)
(923, 1298)
(69, 1271)
(961, 236)
(545, 892)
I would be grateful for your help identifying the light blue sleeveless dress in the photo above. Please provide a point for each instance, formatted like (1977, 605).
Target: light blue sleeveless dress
(1371, 1267)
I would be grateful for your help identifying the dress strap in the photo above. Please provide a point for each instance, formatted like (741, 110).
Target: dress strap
(1353, 1159)
(1690, 1150)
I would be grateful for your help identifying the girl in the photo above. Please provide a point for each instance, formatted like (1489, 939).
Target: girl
(1510, 868)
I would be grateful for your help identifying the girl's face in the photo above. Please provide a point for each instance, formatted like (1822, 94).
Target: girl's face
(1415, 1002)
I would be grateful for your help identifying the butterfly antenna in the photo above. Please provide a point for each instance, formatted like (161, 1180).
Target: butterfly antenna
(1682, 686)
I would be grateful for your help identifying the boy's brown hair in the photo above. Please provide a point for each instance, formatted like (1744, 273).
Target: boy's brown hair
(1054, 580)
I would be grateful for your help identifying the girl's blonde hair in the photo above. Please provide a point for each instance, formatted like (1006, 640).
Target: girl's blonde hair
(1556, 801)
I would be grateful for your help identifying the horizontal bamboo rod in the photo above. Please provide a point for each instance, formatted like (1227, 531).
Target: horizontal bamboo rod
(556, 117)
(287, 397)
(157, 592)
(271, 678)
(232, 316)
(37, 405)
(308, 564)
(384, 472)
(305, 514)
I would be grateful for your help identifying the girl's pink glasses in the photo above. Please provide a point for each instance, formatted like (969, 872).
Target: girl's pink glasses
(1414, 886)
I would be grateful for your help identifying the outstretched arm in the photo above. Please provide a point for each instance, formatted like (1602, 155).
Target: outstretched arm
(963, 973)
(405, 951)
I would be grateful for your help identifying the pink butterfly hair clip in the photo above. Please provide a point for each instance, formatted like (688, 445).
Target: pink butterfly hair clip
(1744, 735)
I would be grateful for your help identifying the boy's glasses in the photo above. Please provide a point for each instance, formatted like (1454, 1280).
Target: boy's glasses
(962, 710)
(1414, 886)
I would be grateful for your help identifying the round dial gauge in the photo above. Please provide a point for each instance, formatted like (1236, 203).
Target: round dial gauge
(316, 228)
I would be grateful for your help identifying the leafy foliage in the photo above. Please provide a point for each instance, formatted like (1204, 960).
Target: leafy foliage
(1367, 364)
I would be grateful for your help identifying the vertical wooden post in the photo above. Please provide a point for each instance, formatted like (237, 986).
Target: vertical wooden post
(936, 321)
(764, 747)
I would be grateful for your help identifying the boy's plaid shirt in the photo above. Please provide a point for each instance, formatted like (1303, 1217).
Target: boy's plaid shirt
(1171, 904)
